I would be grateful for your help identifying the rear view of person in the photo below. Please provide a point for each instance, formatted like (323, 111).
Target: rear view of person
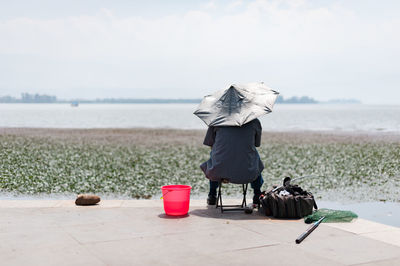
(234, 157)
(234, 132)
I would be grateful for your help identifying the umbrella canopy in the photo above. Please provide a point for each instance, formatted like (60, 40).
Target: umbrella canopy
(237, 104)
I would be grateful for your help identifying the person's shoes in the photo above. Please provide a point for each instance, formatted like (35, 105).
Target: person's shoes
(256, 199)
(211, 200)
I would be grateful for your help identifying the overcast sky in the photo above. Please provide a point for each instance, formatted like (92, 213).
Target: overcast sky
(186, 49)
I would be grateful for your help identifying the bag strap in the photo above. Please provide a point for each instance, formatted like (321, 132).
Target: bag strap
(315, 203)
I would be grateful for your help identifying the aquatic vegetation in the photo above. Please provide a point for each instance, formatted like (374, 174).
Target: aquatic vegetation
(367, 171)
(32, 165)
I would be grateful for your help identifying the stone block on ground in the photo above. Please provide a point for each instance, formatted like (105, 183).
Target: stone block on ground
(87, 199)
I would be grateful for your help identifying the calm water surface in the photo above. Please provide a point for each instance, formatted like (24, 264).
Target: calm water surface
(286, 117)
(381, 212)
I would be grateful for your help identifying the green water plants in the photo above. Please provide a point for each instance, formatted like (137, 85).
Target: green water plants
(38, 165)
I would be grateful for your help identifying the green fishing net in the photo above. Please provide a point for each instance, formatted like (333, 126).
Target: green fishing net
(331, 216)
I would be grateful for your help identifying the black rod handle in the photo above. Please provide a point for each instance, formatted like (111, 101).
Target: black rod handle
(309, 230)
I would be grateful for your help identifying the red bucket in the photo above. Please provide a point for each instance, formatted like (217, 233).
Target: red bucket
(176, 199)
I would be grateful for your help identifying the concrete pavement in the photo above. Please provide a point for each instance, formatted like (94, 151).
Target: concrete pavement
(137, 232)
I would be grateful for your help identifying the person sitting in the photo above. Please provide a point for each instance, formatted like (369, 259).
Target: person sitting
(234, 157)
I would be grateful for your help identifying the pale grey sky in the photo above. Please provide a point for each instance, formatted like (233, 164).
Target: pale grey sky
(186, 49)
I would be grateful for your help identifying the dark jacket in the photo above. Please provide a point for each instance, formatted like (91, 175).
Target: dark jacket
(233, 154)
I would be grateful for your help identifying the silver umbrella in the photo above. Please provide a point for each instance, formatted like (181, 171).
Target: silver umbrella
(237, 104)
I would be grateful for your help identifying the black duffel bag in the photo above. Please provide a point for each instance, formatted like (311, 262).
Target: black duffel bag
(294, 202)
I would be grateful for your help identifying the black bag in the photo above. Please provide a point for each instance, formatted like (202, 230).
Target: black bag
(296, 203)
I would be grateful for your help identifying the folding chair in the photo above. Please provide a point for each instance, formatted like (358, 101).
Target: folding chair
(231, 207)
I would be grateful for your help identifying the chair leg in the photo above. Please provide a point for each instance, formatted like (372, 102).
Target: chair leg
(231, 207)
(244, 186)
(219, 197)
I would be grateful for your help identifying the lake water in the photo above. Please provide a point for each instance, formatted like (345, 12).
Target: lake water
(286, 117)
(381, 212)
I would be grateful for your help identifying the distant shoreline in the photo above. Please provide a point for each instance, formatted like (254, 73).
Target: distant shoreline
(145, 136)
(168, 102)
(37, 98)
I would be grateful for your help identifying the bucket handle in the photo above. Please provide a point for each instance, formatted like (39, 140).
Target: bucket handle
(165, 194)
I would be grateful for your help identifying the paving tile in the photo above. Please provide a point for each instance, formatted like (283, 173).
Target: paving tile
(176, 249)
(281, 255)
(115, 224)
(287, 231)
(109, 203)
(349, 250)
(212, 212)
(361, 226)
(24, 219)
(142, 203)
(137, 222)
(389, 237)
(391, 262)
(53, 255)
(224, 238)
(100, 232)
(196, 219)
(84, 215)
(28, 203)
(32, 239)
(198, 202)
(190, 223)
(160, 250)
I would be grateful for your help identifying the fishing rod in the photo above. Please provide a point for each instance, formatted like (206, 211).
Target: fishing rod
(287, 180)
(309, 230)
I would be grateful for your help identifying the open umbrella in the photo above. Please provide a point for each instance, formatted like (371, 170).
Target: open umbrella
(237, 104)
